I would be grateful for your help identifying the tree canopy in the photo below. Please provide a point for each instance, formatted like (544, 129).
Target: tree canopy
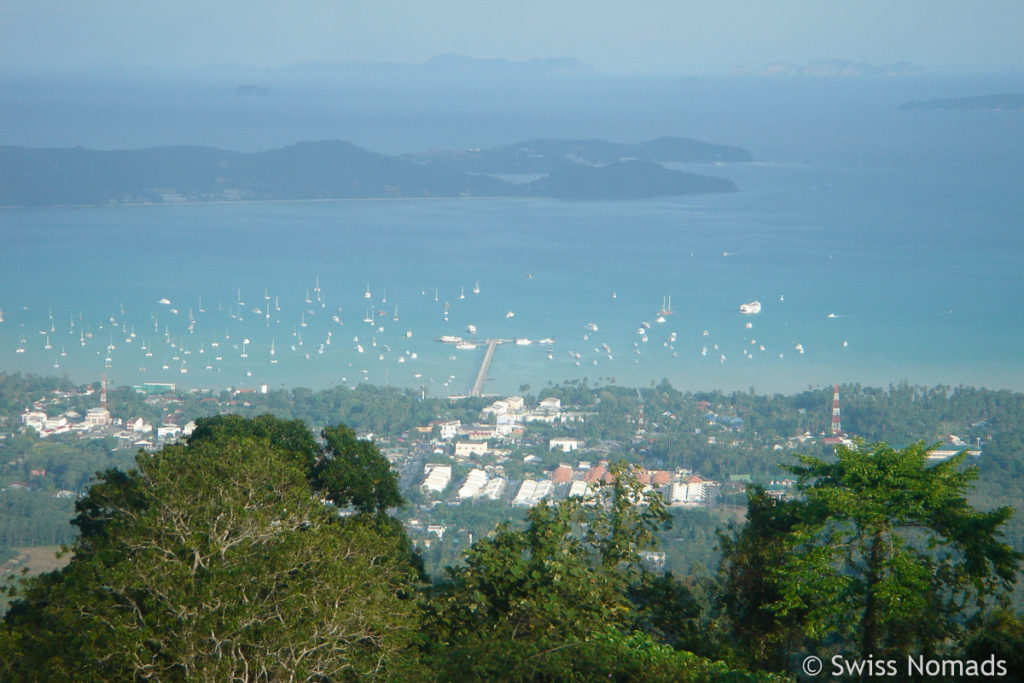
(882, 550)
(216, 561)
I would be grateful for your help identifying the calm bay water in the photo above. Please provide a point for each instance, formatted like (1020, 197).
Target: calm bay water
(886, 244)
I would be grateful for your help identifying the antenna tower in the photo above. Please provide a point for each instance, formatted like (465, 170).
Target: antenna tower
(837, 424)
(103, 391)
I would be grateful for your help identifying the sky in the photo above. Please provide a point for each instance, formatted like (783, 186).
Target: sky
(642, 36)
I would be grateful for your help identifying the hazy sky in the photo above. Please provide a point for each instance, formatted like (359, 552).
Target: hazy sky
(682, 36)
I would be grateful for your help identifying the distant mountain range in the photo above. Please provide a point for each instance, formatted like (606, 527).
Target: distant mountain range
(579, 169)
(831, 68)
(440, 67)
(989, 102)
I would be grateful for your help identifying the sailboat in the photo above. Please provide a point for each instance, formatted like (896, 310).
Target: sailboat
(476, 287)
(395, 318)
(462, 292)
(666, 308)
(273, 352)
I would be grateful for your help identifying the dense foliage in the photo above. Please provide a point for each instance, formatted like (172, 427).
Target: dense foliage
(216, 561)
(881, 553)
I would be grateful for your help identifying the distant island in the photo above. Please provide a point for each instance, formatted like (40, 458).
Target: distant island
(831, 68)
(984, 102)
(570, 169)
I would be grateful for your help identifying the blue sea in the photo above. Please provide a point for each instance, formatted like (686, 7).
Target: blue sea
(883, 245)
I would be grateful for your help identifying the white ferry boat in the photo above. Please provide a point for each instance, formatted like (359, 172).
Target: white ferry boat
(750, 308)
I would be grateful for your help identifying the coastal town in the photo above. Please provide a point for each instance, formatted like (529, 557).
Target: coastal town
(474, 461)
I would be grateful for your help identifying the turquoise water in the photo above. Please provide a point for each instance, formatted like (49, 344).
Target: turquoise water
(888, 248)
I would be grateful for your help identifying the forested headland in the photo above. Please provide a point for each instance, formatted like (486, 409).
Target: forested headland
(336, 169)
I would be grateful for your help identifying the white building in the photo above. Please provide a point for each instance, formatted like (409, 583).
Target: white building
(494, 489)
(168, 431)
(464, 449)
(515, 403)
(97, 417)
(449, 429)
(579, 488)
(550, 404)
(437, 477)
(473, 485)
(34, 419)
(689, 493)
(532, 492)
(565, 443)
(138, 425)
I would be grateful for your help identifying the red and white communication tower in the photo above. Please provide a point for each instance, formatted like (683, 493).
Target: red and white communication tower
(103, 391)
(837, 435)
(837, 424)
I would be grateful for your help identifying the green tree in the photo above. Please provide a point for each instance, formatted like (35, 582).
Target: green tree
(353, 472)
(215, 561)
(555, 601)
(882, 551)
(750, 589)
(525, 595)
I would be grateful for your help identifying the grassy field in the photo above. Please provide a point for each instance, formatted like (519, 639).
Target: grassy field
(42, 558)
(37, 559)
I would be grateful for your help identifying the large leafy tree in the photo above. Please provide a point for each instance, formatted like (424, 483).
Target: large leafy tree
(554, 601)
(882, 550)
(750, 589)
(217, 561)
(352, 472)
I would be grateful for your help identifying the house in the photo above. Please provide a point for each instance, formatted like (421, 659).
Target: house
(465, 449)
(565, 443)
(168, 431)
(447, 429)
(515, 403)
(561, 474)
(549, 404)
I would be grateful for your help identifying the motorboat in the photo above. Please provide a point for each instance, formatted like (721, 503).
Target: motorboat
(750, 308)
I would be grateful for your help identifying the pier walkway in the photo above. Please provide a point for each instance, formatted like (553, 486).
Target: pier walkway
(481, 376)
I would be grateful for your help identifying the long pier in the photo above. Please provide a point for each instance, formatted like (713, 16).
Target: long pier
(481, 376)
